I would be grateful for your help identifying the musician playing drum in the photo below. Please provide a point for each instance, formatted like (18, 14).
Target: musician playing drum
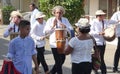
(13, 26)
(51, 25)
(97, 31)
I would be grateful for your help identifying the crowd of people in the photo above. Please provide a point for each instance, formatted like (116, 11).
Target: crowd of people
(30, 43)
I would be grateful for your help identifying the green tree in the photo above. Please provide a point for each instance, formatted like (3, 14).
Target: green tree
(74, 8)
(6, 13)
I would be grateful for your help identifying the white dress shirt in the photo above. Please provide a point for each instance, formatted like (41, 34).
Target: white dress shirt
(49, 25)
(11, 25)
(32, 18)
(115, 18)
(37, 33)
(96, 28)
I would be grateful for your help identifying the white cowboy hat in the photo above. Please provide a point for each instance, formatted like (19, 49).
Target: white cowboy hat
(39, 15)
(83, 22)
(99, 12)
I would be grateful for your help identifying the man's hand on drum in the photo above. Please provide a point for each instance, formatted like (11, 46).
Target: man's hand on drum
(62, 25)
(54, 23)
(42, 37)
(101, 33)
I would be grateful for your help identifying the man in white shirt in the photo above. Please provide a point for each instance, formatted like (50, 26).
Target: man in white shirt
(115, 19)
(97, 31)
(39, 39)
(34, 11)
(58, 21)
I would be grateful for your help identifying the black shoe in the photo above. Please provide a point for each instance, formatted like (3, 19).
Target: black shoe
(49, 73)
(115, 70)
(104, 73)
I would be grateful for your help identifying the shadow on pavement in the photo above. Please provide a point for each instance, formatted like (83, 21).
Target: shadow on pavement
(65, 69)
(47, 52)
(110, 70)
(3, 47)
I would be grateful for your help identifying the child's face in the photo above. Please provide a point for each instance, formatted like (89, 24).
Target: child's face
(40, 20)
(16, 19)
(25, 31)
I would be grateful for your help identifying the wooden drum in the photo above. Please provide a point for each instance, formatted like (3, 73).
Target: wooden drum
(13, 35)
(60, 39)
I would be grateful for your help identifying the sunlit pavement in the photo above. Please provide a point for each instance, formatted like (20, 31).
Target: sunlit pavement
(109, 54)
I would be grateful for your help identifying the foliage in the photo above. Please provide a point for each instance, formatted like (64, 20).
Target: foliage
(6, 13)
(74, 8)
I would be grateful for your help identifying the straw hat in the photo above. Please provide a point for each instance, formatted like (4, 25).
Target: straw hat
(83, 22)
(15, 13)
(39, 15)
(100, 12)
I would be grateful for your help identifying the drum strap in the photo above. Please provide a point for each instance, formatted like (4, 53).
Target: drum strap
(103, 28)
(102, 25)
(14, 28)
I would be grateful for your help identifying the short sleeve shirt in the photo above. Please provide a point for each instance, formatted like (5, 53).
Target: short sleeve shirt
(81, 50)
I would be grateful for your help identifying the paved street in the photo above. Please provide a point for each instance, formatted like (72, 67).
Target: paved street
(110, 50)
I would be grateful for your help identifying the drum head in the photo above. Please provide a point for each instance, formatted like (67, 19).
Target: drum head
(60, 29)
(109, 34)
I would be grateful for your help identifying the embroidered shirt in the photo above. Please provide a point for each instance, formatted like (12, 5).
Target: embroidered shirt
(81, 50)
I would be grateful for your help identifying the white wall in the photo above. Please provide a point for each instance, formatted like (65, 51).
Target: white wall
(94, 6)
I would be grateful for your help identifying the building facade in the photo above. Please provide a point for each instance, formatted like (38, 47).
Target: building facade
(108, 6)
(90, 6)
(22, 5)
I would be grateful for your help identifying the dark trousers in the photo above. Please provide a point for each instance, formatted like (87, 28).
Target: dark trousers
(59, 60)
(117, 54)
(81, 68)
(102, 52)
(41, 58)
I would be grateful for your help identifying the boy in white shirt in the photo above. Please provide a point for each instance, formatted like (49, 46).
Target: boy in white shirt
(39, 39)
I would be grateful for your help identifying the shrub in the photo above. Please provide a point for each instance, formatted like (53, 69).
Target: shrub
(6, 13)
(74, 8)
